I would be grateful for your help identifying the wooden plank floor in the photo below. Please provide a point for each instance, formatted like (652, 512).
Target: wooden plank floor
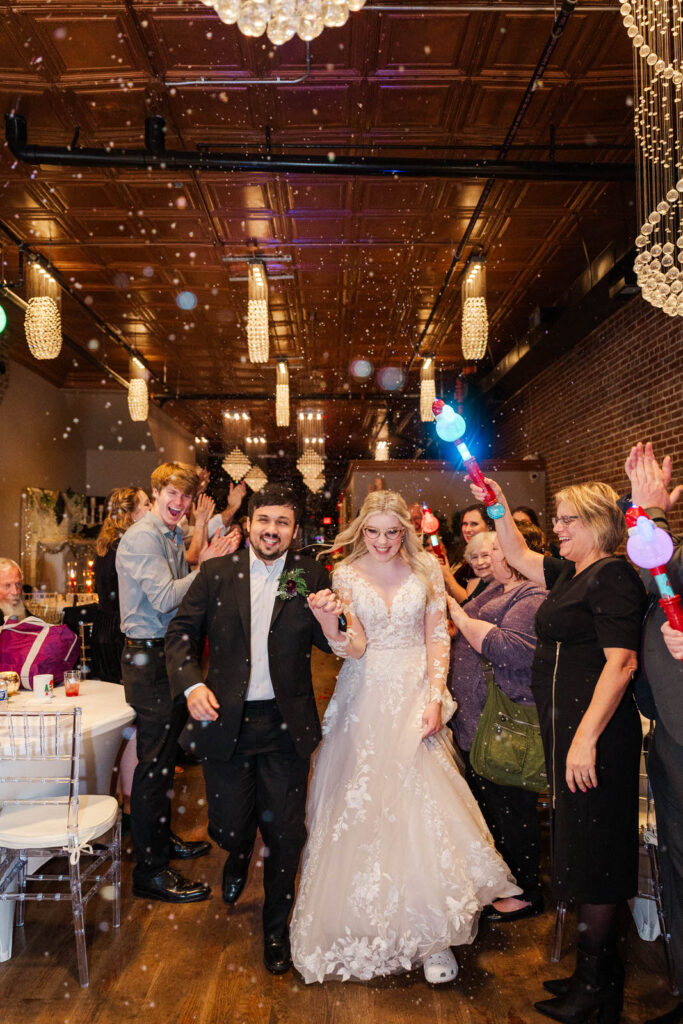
(202, 964)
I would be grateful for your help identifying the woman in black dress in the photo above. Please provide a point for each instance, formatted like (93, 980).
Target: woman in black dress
(588, 635)
(125, 506)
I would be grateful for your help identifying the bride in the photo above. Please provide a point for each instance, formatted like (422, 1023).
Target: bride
(399, 861)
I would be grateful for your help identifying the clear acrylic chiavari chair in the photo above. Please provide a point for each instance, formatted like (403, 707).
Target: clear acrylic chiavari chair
(44, 816)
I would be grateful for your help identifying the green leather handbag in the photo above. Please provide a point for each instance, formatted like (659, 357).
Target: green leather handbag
(507, 746)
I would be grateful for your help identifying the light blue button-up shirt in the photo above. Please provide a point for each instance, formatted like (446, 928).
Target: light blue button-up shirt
(153, 577)
(263, 586)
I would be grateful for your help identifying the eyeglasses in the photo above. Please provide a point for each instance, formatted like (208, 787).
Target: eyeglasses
(393, 534)
(564, 520)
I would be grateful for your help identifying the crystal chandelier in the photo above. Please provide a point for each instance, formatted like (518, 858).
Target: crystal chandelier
(654, 27)
(475, 321)
(315, 483)
(282, 395)
(310, 463)
(427, 390)
(138, 394)
(256, 478)
(236, 464)
(257, 315)
(43, 320)
(283, 19)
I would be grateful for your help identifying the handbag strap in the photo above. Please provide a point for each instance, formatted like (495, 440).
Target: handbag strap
(487, 669)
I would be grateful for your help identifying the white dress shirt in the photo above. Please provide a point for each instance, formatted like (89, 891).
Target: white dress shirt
(263, 585)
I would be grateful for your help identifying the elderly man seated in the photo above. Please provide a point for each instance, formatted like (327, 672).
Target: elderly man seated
(12, 606)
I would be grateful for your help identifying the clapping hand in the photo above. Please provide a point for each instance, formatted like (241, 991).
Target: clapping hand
(203, 509)
(236, 495)
(649, 480)
(327, 608)
(220, 546)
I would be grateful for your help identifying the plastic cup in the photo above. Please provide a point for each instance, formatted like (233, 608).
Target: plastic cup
(72, 683)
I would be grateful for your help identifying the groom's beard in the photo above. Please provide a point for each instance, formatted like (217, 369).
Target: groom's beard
(269, 554)
(17, 609)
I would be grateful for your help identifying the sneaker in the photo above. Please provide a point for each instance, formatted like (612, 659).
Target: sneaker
(440, 967)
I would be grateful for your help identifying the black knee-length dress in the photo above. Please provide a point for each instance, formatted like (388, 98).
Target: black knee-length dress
(595, 834)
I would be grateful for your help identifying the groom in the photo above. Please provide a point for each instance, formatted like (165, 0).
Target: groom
(257, 722)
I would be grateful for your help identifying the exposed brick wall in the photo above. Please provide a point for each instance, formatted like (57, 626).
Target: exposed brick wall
(623, 383)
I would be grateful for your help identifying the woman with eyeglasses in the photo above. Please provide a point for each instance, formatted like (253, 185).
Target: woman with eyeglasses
(399, 861)
(588, 634)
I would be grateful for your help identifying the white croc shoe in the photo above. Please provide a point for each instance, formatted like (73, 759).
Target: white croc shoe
(440, 967)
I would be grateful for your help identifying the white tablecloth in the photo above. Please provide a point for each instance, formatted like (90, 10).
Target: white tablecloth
(104, 717)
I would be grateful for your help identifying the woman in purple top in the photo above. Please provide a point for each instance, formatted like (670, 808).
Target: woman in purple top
(499, 625)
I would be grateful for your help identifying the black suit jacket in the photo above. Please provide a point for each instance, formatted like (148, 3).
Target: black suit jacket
(218, 605)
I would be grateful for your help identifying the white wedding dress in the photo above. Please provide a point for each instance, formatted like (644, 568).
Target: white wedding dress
(399, 861)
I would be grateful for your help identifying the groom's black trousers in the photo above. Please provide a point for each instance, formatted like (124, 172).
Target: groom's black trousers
(262, 786)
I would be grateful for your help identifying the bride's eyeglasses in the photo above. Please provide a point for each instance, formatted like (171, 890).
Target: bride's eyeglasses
(393, 534)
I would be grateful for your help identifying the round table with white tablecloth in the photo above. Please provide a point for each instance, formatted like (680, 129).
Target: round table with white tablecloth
(104, 717)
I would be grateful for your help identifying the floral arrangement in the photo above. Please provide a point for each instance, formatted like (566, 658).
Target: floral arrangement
(291, 584)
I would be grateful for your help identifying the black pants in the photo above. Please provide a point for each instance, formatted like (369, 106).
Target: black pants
(263, 785)
(665, 769)
(159, 722)
(512, 818)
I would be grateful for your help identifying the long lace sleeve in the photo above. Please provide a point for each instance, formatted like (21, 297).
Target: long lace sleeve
(438, 645)
(354, 636)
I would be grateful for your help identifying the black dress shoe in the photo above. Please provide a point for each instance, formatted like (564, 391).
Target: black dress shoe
(170, 887)
(531, 909)
(277, 955)
(233, 885)
(185, 849)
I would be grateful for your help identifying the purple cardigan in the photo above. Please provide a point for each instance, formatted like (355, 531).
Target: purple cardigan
(509, 647)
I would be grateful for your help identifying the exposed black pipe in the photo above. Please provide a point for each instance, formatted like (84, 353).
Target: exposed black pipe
(267, 396)
(202, 160)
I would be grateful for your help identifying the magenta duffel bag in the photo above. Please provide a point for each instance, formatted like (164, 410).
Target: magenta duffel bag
(31, 647)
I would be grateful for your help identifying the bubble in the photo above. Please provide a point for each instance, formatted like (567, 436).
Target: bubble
(93, 344)
(390, 378)
(148, 271)
(186, 300)
(361, 369)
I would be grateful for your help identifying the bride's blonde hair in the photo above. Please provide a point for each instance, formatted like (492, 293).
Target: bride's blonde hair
(388, 503)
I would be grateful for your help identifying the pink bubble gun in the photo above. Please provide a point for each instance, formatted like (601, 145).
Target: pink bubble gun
(651, 548)
(430, 526)
(451, 427)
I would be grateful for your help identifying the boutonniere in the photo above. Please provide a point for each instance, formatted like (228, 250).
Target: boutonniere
(292, 583)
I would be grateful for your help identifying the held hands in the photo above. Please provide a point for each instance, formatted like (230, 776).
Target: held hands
(202, 704)
(581, 765)
(327, 608)
(203, 509)
(431, 719)
(649, 480)
(673, 640)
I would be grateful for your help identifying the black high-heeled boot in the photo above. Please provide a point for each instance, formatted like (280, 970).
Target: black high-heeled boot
(596, 985)
(560, 986)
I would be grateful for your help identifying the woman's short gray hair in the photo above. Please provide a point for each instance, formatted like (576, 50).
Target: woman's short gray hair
(485, 538)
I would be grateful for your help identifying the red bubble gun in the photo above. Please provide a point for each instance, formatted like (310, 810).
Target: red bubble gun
(450, 426)
(651, 548)
(430, 526)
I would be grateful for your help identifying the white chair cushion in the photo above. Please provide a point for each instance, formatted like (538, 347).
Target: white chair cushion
(45, 825)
